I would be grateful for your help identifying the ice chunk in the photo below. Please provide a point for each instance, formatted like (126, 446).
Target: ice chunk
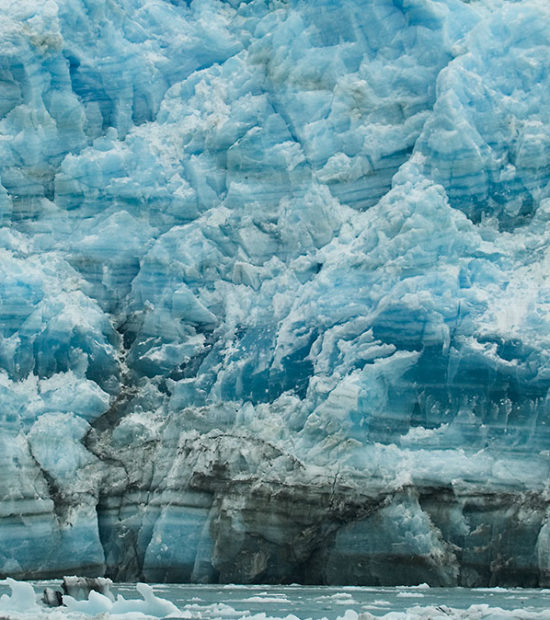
(22, 598)
(150, 606)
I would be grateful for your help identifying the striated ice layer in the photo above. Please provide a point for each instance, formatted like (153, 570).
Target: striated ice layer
(274, 296)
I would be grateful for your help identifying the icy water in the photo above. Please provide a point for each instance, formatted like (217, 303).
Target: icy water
(332, 602)
(234, 601)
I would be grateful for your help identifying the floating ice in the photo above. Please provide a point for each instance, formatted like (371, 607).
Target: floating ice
(23, 603)
(22, 598)
(150, 606)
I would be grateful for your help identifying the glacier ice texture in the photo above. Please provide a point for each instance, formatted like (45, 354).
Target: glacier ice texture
(274, 290)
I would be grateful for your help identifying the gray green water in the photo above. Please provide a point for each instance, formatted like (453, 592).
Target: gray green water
(209, 601)
(316, 602)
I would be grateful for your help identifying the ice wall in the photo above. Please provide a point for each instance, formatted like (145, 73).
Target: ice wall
(274, 298)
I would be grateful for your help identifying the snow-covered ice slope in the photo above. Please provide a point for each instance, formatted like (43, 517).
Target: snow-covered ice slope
(274, 290)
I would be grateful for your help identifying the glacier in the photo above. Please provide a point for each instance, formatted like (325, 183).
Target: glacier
(274, 291)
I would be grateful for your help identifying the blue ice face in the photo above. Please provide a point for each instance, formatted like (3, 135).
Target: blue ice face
(322, 224)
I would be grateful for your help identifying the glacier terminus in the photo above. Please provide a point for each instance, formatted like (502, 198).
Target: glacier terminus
(275, 291)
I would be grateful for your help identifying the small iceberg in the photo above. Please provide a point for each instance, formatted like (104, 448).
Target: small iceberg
(24, 602)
